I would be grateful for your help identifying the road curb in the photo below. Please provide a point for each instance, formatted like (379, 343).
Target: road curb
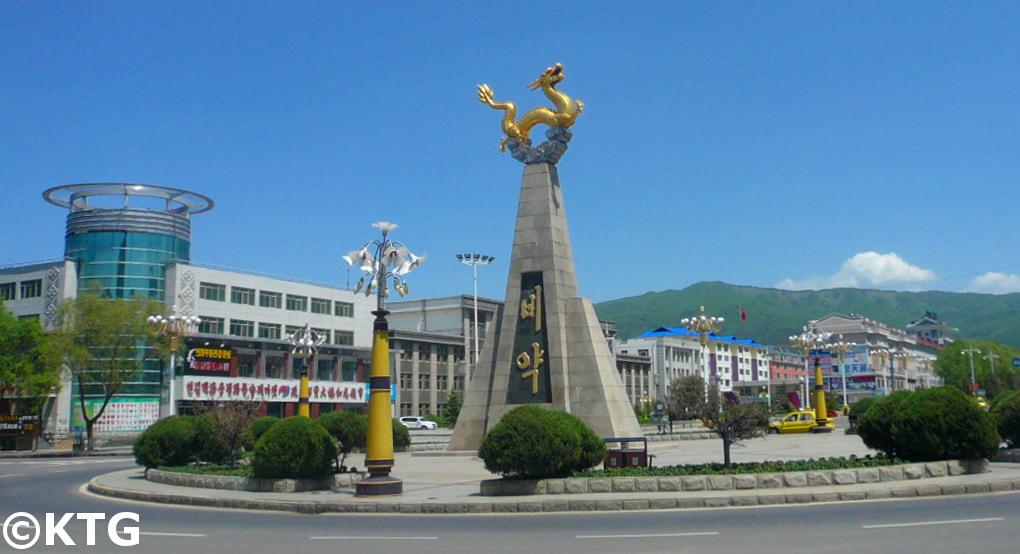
(562, 504)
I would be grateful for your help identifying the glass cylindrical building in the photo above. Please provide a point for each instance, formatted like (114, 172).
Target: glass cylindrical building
(123, 235)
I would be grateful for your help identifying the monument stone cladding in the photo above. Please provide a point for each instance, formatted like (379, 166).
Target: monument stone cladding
(546, 346)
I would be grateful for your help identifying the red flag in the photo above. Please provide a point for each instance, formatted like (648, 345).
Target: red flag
(743, 314)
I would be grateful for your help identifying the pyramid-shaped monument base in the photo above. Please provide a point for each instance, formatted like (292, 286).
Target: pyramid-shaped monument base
(546, 346)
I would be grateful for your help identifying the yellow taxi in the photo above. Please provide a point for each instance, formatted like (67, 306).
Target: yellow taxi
(802, 421)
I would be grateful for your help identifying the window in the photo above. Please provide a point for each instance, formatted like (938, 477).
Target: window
(320, 306)
(31, 289)
(343, 338)
(241, 295)
(297, 303)
(269, 299)
(405, 381)
(458, 382)
(291, 329)
(242, 328)
(211, 325)
(442, 352)
(324, 370)
(212, 291)
(424, 350)
(31, 316)
(8, 290)
(269, 331)
(424, 381)
(405, 408)
(423, 409)
(441, 382)
(343, 309)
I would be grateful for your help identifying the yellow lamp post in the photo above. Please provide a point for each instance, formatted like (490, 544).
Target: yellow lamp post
(703, 325)
(811, 339)
(382, 261)
(173, 326)
(305, 343)
(840, 348)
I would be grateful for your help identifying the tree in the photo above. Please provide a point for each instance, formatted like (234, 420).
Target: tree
(685, 398)
(350, 430)
(29, 366)
(953, 365)
(734, 423)
(452, 410)
(231, 421)
(103, 342)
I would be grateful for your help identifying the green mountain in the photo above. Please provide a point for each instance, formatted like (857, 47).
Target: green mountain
(773, 315)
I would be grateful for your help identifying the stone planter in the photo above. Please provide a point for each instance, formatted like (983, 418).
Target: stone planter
(827, 478)
(338, 482)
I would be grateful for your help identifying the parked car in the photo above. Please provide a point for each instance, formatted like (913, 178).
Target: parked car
(802, 421)
(412, 422)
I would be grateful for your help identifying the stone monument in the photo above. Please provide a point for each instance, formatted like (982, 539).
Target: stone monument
(546, 346)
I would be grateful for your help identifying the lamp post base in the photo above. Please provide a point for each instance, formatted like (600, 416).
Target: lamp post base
(379, 486)
(822, 427)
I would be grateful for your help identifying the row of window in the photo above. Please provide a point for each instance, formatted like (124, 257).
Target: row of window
(28, 289)
(275, 331)
(425, 382)
(270, 299)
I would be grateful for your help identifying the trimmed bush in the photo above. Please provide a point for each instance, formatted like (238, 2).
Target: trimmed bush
(875, 425)
(943, 423)
(532, 442)
(401, 436)
(178, 440)
(1006, 411)
(260, 426)
(862, 405)
(294, 448)
(349, 429)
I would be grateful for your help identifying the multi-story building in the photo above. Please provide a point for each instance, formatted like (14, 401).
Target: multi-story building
(677, 352)
(883, 359)
(139, 245)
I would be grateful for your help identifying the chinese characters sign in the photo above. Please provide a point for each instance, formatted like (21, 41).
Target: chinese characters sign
(121, 414)
(529, 372)
(209, 361)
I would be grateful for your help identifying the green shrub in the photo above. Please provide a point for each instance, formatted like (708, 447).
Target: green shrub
(259, 427)
(178, 440)
(862, 405)
(943, 423)
(401, 436)
(875, 425)
(294, 448)
(532, 442)
(349, 429)
(1006, 411)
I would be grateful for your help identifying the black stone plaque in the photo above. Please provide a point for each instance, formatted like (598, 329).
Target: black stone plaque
(529, 362)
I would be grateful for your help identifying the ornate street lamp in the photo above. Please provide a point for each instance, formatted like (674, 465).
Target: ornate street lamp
(382, 261)
(305, 343)
(173, 326)
(973, 380)
(841, 347)
(813, 339)
(474, 260)
(884, 355)
(903, 356)
(703, 325)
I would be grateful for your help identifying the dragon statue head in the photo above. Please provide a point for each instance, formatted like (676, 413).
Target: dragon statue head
(549, 77)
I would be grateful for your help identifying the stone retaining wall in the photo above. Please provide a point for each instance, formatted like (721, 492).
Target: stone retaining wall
(336, 482)
(581, 485)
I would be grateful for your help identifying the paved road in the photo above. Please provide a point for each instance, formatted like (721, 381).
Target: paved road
(974, 523)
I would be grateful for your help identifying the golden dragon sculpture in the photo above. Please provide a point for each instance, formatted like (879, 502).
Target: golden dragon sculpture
(564, 115)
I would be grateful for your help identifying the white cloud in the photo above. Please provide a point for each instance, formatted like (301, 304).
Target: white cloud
(867, 269)
(995, 283)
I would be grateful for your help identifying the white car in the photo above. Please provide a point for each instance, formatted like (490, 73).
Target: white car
(412, 422)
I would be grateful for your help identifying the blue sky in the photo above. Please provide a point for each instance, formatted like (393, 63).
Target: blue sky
(790, 144)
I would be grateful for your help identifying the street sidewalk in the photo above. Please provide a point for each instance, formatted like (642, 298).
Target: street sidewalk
(448, 482)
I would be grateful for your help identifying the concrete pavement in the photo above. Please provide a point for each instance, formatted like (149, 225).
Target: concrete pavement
(445, 482)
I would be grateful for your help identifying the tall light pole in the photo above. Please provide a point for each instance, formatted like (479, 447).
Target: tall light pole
(841, 347)
(973, 381)
(305, 343)
(703, 325)
(902, 356)
(382, 261)
(173, 326)
(991, 357)
(766, 357)
(474, 260)
(813, 339)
